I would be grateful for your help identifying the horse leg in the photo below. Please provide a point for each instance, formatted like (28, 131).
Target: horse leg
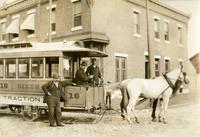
(122, 110)
(153, 115)
(124, 102)
(161, 109)
(131, 108)
(165, 105)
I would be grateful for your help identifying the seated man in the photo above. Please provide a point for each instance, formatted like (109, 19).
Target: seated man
(81, 77)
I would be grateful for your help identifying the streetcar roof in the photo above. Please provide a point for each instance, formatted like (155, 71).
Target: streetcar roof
(54, 48)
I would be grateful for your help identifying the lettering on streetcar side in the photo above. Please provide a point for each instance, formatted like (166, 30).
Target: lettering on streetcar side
(3, 85)
(22, 98)
(73, 96)
(28, 86)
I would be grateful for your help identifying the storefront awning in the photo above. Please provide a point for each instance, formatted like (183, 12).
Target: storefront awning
(29, 23)
(13, 27)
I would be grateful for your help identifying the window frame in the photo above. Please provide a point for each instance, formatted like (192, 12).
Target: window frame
(43, 67)
(157, 69)
(166, 32)
(3, 68)
(28, 68)
(75, 15)
(137, 25)
(6, 69)
(120, 72)
(3, 30)
(156, 26)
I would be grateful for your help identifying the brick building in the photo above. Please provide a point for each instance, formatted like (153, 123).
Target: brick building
(117, 27)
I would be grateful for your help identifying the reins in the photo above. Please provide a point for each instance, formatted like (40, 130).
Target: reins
(170, 85)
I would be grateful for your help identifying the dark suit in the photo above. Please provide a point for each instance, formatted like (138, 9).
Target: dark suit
(81, 77)
(95, 71)
(53, 96)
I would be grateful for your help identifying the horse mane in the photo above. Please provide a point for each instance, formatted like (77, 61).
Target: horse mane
(174, 73)
(177, 86)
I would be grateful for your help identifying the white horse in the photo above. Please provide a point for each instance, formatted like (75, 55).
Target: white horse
(160, 87)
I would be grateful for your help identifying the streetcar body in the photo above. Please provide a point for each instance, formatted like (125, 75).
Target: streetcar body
(25, 67)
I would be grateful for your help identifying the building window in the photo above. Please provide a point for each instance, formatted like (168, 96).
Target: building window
(13, 29)
(146, 66)
(180, 39)
(23, 68)
(166, 31)
(14, 36)
(157, 67)
(28, 24)
(157, 28)
(53, 19)
(1, 68)
(37, 67)
(167, 65)
(2, 31)
(10, 68)
(77, 13)
(121, 68)
(67, 68)
(136, 19)
(51, 66)
(31, 32)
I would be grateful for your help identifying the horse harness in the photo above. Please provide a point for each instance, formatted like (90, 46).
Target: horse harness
(174, 87)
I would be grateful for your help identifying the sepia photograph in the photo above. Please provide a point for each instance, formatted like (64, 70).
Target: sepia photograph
(99, 68)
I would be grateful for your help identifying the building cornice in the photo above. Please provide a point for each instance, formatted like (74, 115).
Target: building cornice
(155, 4)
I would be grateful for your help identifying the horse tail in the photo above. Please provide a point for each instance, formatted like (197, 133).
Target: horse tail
(124, 101)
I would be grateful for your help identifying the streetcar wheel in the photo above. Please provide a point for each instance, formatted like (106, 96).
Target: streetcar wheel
(15, 108)
(30, 113)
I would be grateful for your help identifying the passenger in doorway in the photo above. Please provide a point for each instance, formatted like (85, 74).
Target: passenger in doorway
(94, 70)
(108, 91)
(54, 94)
(81, 77)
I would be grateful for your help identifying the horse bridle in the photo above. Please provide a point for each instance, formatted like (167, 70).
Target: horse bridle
(178, 81)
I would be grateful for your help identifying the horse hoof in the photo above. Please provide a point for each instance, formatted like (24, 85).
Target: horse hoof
(123, 118)
(165, 122)
(136, 120)
(154, 120)
(130, 122)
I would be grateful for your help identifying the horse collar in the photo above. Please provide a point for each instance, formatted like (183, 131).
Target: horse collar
(168, 81)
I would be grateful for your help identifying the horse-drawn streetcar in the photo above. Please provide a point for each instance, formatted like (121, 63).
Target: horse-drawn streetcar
(25, 67)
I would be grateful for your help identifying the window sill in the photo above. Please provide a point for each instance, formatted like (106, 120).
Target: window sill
(2, 42)
(167, 42)
(137, 35)
(15, 39)
(74, 1)
(156, 39)
(31, 36)
(180, 45)
(76, 28)
(52, 33)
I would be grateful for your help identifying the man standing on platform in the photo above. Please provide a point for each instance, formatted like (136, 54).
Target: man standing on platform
(54, 94)
(94, 70)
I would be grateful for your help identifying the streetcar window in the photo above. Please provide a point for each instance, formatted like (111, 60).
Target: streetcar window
(51, 66)
(10, 68)
(1, 68)
(37, 67)
(23, 66)
(67, 68)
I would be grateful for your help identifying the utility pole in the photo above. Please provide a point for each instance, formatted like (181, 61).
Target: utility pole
(50, 12)
(148, 40)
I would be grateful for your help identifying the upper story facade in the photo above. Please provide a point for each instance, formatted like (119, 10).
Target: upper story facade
(122, 28)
